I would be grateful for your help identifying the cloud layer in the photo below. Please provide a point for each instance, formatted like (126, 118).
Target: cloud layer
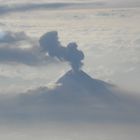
(12, 52)
(5, 9)
(12, 37)
(75, 97)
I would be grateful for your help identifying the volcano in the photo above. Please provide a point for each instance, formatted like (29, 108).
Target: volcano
(76, 97)
(77, 85)
(82, 81)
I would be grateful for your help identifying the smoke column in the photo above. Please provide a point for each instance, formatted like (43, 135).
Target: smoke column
(49, 43)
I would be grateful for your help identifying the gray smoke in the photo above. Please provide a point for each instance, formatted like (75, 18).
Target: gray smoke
(49, 43)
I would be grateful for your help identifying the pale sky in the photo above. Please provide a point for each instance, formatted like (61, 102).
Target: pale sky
(114, 3)
(106, 31)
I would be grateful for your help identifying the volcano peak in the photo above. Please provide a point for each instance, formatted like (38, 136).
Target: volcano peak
(81, 80)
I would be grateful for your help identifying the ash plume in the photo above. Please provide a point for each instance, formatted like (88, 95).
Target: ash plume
(49, 43)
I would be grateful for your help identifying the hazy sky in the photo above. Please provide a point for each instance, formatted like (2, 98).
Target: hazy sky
(118, 3)
(106, 31)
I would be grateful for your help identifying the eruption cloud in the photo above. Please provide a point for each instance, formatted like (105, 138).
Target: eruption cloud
(49, 43)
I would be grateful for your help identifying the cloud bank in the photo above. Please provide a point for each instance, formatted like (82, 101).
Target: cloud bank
(59, 5)
(13, 37)
(12, 52)
(75, 97)
(5, 9)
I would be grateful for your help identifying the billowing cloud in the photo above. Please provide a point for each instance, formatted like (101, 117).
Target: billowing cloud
(12, 37)
(18, 55)
(49, 43)
(11, 50)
